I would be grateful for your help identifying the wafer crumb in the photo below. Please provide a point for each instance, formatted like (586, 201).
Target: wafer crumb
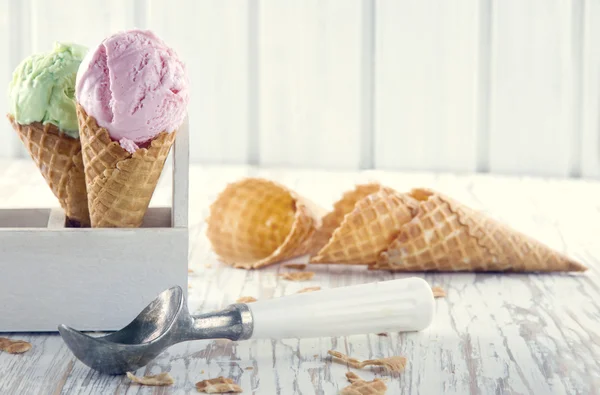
(156, 380)
(298, 276)
(246, 299)
(355, 363)
(392, 364)
(297, 266)
(14, 346)
(190, 271)
(249, 368)
(309, 289)
(438, 292)
(352, 377)
(382, 334)
(189, 286)
(220, 385)
(202, 371)
(316, 355)
(359, 386)
(208, 266)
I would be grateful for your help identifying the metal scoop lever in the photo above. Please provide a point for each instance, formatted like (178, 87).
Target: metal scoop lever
(388, 306)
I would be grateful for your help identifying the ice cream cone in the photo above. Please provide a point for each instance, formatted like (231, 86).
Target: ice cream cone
(58, 156)
(254, 223)
(448, 236)
(368, 229)
(119, 184)
(334, 218)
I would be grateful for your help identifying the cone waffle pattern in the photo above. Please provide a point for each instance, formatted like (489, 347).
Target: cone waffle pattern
(334, 219)
(120, 185)
(255, 222)
(58, 156)
(369, 229)
(448, 236)
(362, 387)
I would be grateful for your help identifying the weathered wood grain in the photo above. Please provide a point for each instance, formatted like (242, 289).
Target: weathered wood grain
(492, 334)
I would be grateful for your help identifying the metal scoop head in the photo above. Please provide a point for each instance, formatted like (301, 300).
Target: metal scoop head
(164, 322)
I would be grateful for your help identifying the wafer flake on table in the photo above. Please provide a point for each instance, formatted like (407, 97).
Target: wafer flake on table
(446, 235)
(352, 377)
(362, 387)
(161, 379)
(246, 299)
(438, 292)
(368, 229)
(255, 222)
(392, 364)
(14, 346)
(220, 385)
(296, 266)
(309, 289)
(298, 276)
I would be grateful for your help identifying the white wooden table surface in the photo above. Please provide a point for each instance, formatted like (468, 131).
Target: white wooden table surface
(493, 334)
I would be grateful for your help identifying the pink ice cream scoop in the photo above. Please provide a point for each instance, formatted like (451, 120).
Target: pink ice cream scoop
(135, 86)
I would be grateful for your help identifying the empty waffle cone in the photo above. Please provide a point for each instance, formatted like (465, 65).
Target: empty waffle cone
(119, 184)
(448, 236)
(58, 156)
(334, 219)
(368, 229)
(255, 222)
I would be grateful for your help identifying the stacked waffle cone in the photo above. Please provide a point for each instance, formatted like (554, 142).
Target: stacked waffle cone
(440, 234)
(58, 157)
(256, 222)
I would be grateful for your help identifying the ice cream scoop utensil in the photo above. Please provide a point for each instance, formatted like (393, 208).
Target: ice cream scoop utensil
(390, 306)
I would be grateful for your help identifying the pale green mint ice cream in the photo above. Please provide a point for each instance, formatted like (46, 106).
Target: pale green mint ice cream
(43, 88)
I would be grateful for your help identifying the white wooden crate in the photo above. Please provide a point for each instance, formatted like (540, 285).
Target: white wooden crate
(91, 279)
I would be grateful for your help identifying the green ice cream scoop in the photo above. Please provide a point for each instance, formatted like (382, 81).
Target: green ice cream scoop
(43, 88)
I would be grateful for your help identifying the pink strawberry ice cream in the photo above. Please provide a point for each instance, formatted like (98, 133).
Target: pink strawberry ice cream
(135, 86)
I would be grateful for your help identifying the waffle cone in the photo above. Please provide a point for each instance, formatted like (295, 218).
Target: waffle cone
(119, 184)
(368, 229)
(334, 218)
(255, 222)
(448, 236)
(58, 156)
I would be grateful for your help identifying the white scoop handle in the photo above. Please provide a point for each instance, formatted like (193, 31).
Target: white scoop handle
(402, 305)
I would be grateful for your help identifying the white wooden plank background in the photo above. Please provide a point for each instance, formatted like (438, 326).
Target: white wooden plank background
(84, 22)
(9, 45)
(509, 87)
(425, 84)
(532, 127)
(511, 333)
(5, 71)
(590, 148)
(212, 37)
(309, 57)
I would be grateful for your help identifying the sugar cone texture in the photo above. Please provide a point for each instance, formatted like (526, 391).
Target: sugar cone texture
(255, 222)
(368, 229)
(119, 184)
(58, 156)
(448, 236)
(334, 219)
